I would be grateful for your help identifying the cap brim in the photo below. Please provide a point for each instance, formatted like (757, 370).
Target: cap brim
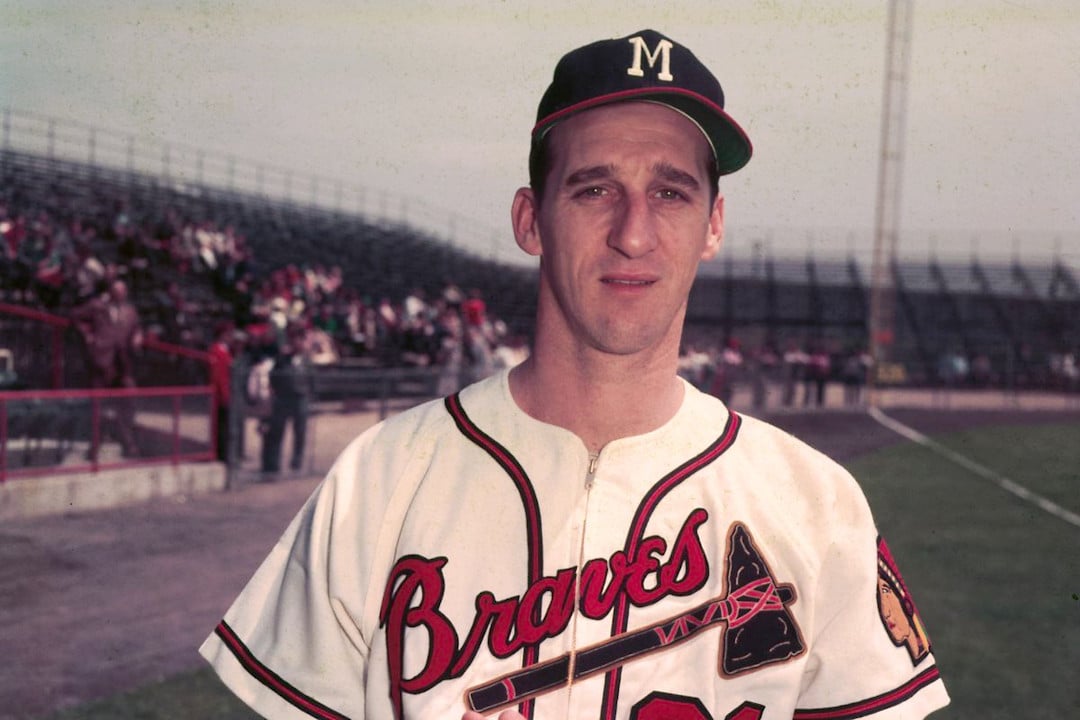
(730, 143)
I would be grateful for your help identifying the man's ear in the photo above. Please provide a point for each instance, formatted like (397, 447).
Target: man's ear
(715, 234)
(525, 217)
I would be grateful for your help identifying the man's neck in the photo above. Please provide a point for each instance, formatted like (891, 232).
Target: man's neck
(598, 397)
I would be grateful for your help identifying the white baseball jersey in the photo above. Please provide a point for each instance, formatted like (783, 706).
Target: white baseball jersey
(463, 554)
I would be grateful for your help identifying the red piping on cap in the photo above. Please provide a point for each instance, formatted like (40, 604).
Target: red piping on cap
(624, 94)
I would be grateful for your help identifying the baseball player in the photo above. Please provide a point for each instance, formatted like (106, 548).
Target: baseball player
(587, 535)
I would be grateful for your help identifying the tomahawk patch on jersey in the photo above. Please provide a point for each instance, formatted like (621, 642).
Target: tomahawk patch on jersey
(766, 632)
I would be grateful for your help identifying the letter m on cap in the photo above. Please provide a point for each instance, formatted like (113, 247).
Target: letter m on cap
(661, 53)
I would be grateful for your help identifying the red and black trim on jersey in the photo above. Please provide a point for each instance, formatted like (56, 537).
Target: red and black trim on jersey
(621, 616)
(530, 504)
(271, 679)
(875, 704)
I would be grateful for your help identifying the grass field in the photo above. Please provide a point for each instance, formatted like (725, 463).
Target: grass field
(996, 580)
(193, 696)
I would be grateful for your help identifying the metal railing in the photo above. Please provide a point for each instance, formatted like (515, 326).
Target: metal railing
(50, 432)
(47, 353)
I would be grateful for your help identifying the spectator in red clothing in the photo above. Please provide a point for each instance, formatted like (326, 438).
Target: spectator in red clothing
(221, 360)
(474, 309)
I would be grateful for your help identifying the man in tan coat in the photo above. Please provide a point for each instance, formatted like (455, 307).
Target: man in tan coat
(110, 328)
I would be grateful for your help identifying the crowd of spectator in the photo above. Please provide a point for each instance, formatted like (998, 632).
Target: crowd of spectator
(798, 375)
(801, 373)
(955, 369)
(120, 276)
(186, 276)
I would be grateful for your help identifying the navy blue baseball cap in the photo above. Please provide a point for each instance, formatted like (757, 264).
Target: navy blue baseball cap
(644, 66)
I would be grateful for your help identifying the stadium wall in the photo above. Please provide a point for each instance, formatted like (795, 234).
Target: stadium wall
(58, 494)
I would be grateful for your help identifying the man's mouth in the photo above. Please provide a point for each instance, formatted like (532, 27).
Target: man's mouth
(627, 282)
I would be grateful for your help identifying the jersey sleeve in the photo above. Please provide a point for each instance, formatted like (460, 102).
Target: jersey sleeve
(295, 643)
(870, 655)
(285, 647)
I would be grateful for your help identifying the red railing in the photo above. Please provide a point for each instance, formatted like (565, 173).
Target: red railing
(45, 432)
(57, 326)
(152, 343)
(62, 431)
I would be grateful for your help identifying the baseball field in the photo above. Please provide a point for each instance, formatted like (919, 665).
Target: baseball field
(981, 518)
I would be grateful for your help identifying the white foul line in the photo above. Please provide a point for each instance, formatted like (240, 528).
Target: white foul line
(986, 473)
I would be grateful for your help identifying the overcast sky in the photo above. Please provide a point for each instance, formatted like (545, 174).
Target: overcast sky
(434, 101)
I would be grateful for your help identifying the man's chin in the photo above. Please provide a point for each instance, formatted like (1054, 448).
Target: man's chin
(630, 341)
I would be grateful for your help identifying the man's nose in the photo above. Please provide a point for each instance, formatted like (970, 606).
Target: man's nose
(633, 232)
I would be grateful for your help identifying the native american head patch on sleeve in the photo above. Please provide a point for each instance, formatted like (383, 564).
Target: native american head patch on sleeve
(898, 613)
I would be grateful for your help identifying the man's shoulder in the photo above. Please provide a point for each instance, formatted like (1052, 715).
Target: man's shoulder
(751, 429)
(422, 425)
(772, 446)
(422, 419)
(764, 430)
(396, 453)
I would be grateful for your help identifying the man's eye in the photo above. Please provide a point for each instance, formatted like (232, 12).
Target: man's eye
(592, 192)
(669, 194)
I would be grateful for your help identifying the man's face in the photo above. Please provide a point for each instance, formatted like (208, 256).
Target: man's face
(626, 217)
(118, 292)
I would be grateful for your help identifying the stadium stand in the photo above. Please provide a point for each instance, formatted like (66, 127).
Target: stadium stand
(1021, 319)
(139, 227)
(1019, 323)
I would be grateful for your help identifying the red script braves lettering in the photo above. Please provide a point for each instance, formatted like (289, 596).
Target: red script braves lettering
(416, 587)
